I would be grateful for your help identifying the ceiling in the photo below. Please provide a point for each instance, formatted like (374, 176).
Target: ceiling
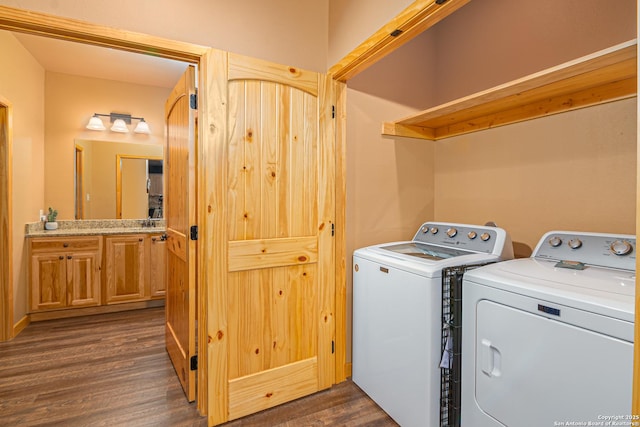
(99, 62)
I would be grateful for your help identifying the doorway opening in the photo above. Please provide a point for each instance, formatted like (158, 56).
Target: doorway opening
(27, 22)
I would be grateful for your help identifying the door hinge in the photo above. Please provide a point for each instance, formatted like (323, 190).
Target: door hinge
(333, 111)
(193, 363)
(333, 229)
(193, 101)
(194, 232)
(333, 347)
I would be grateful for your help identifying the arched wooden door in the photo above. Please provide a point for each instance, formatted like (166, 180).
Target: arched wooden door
(180, 216)
(271, 305)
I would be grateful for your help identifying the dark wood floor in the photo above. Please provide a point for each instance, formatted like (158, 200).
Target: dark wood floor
(112, 370)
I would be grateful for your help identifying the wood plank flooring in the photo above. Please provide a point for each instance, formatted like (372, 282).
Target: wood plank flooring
(113, 370)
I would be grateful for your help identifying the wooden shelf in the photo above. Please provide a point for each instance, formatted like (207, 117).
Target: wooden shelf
(604, 76)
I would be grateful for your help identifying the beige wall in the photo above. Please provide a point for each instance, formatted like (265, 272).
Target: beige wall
(290, 32)
(353, 21)
(487, 43)
(22, 84)
(390, 182)
(571, 171)
(566, 171)
(70, 102)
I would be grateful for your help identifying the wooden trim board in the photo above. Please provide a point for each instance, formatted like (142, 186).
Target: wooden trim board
(411, 22)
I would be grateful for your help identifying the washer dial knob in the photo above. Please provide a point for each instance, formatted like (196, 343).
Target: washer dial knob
(575, 243)
(555, 241)
(472, 235)
(434, 230)
(621, 247)
(451, 232)
(424, 229)
(485, 236)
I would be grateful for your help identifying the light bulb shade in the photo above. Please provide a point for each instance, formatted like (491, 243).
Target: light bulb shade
(119, 126)
(142, 127)
(95, 124)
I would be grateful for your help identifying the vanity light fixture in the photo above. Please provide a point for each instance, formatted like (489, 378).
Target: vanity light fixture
(120, 122)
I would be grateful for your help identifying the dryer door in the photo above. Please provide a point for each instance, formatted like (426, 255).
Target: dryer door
(534, 371)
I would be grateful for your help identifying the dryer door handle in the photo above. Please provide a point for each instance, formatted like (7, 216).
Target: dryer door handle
(490, 359)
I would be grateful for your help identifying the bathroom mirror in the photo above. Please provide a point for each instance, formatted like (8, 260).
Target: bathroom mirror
(117, 180)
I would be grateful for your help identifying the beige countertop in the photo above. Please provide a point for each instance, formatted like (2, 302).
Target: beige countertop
(95, 228)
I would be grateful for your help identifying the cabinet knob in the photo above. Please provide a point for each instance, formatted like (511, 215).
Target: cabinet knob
(65, 245)
(140, 239)
(61, 257)
(69, 256)
(153, 239)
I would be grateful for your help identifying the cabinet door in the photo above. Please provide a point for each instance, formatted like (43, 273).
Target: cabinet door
(83, 279)
(124, 270)
(157, 266)
(48, 281)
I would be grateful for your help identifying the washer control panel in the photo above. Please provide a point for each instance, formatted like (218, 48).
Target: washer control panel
(477, 238)
(605, 250)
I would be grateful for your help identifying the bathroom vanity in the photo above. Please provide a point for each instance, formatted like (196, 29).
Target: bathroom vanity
(87, 267)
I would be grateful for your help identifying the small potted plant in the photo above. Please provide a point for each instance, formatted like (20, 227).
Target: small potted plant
(51, 223)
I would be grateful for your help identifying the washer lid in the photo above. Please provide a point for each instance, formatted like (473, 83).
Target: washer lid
(424, 251)
(600, 290)
(427, 266)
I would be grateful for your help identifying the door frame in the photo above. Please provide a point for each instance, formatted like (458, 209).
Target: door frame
(41, 24)
(6, 222)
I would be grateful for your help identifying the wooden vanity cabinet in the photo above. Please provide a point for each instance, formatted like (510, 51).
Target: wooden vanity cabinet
(125, 269)
(65, 272)
(134, 268)
(74, 272)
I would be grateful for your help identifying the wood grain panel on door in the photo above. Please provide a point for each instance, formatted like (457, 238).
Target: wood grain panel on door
(279, 291)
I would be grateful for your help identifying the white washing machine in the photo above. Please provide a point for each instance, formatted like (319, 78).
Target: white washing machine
(397, 314)
(548, 340)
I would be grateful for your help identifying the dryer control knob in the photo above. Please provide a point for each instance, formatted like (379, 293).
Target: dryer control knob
(485, 236)
(451, 232)
(575, 243)
(424, 229)
(472, 235)
(555, 241)
(434, 230)
(621, 247)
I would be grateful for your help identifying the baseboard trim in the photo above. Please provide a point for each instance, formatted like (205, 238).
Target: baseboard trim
(89, 311)
(20, 325)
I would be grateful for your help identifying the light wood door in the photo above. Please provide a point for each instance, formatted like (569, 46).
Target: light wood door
(272, 313)
(124, 269)
(83, 283)
(180, 216)
(157, 266)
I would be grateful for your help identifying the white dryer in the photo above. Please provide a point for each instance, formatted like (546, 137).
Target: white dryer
(397, 314)
(548, 340)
